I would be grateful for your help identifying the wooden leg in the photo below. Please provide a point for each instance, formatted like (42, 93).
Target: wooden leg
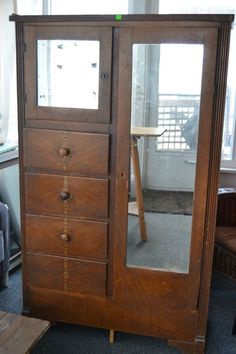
(111, 336)
(234, 327)
(138, 188)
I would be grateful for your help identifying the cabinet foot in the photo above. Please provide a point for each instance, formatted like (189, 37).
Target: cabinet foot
(111, 336)
(25, 312)
(196, 347)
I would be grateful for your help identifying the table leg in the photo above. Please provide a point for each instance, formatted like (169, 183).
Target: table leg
(138, 188)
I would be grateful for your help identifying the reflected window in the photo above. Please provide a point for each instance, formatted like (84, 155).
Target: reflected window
(68, 73)
(166, 90)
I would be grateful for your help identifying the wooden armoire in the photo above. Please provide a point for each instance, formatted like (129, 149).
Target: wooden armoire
(83, 81)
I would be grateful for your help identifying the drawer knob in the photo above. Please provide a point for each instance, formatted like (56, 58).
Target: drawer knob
(64, 195)
(64, 152)
(65, 237)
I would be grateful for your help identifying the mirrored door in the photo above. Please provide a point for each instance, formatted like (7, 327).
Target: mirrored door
(70, 76)
(169, 122)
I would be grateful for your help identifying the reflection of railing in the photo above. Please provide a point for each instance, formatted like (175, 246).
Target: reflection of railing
(179, 115)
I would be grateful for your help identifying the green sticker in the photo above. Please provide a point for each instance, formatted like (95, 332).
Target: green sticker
(118, 17)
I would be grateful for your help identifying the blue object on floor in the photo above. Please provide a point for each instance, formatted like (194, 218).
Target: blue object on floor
(4, 244)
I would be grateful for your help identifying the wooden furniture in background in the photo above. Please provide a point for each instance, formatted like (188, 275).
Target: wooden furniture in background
(224, 260)
(18, 334)
(74, 166)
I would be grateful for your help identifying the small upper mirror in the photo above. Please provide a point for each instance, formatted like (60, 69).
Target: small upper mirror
(68, 73)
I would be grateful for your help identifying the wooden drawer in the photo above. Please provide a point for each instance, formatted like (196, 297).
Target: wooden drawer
(87, 197)
(67, 274)
(82, 153)
(82, 239)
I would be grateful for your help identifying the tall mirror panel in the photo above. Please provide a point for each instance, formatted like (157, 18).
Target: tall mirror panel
(166, 90)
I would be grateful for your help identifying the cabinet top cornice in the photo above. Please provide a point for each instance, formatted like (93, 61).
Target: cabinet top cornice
(124, 18)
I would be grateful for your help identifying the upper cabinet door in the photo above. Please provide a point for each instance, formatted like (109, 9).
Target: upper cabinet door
(165, 105)
(68, 73)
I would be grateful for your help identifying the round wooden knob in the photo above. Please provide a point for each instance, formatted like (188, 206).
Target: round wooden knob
(65, 237)
(63, 152)
(64, 195)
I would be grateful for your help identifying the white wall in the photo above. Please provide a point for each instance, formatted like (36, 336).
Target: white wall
(227, 179)
(170, 171)
(9, 190)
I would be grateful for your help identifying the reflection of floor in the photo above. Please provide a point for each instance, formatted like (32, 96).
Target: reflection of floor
(168, 242)
(170, 202)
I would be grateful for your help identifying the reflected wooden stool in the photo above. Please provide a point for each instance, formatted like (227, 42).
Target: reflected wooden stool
(137, 207)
